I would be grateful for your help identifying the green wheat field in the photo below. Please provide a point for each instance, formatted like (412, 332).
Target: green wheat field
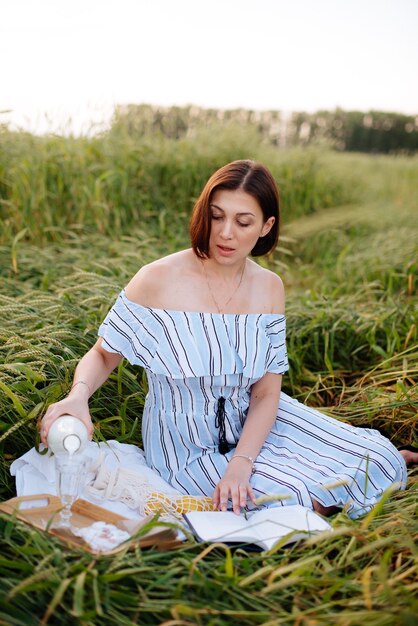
(78, 216)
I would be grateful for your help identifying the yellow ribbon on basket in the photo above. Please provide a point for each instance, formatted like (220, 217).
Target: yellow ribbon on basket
(163, 503)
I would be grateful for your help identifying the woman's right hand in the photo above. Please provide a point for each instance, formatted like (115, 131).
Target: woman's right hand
(75, 404)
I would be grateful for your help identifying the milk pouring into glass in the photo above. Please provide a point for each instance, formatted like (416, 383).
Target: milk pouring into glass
(67, 439)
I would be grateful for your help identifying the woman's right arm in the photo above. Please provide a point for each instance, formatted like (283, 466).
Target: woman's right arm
(92, 371)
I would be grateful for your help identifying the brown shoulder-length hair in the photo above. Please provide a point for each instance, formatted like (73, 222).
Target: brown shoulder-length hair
(251, 177)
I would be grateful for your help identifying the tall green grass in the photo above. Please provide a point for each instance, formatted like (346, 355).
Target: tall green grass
(106, 184)
(365, 573)
(350, 273)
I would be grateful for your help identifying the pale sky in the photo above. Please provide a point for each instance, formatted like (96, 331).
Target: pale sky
(78, 58)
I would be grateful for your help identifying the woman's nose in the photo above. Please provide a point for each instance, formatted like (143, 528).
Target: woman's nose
(226, 231)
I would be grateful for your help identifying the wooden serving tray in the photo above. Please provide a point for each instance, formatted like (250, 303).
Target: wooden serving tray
(46, 515)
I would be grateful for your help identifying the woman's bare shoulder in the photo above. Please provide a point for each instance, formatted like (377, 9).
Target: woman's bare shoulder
(269, 288)
(153, 279)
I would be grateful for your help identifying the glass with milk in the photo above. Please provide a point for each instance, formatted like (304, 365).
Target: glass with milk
(67, 439)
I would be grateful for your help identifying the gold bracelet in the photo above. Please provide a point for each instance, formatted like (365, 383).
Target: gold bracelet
(81, 382)
(244, 456)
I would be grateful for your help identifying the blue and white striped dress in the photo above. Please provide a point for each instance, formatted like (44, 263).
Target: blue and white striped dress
(195, 359)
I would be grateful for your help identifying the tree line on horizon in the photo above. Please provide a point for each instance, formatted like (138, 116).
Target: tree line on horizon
(351, 131)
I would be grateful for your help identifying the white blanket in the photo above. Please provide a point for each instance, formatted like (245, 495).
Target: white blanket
(117, 478)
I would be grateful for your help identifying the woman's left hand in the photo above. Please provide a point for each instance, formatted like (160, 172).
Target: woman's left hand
(235, 486)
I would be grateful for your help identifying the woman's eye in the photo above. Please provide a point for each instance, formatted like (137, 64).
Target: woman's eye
(216, 217)
(243, 225)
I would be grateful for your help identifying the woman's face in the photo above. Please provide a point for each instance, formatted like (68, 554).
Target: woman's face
(237, 223)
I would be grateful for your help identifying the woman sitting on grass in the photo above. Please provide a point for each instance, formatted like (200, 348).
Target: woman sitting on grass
(208, 325)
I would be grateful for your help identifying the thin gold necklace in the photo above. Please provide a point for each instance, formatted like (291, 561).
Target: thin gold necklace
(222, 309)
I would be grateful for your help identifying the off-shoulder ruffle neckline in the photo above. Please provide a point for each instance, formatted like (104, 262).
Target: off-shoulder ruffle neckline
(183, 344)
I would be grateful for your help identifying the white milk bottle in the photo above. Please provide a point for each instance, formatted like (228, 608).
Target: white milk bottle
(67, 436)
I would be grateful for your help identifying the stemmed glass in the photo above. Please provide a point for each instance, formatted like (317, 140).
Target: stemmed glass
(70, 477)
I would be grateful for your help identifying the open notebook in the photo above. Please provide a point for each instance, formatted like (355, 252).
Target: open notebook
(263, 528)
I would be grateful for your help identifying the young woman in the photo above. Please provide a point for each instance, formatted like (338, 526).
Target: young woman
(208, 326)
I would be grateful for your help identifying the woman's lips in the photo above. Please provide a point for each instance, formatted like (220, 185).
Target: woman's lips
(225, 250)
